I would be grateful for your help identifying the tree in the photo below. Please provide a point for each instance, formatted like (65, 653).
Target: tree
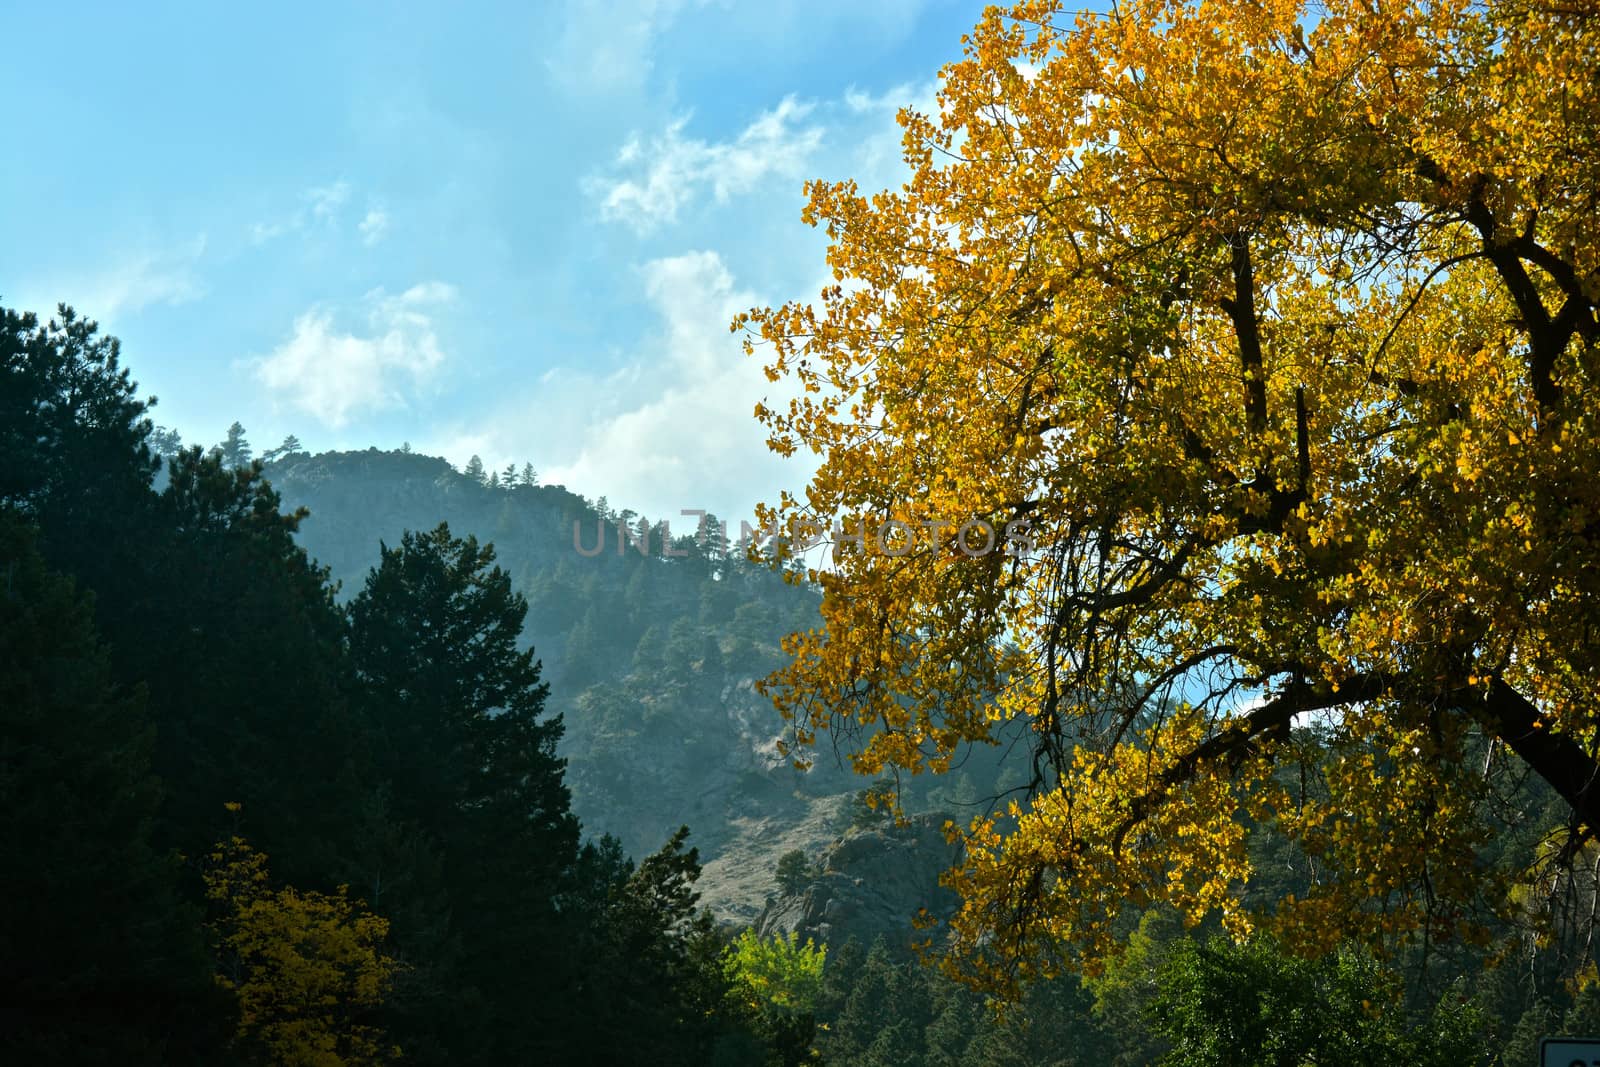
(72, 427)
(234, 633)
(795, 872)
(165, 442)
(778, 980)
(99, 959)
(308, 969)
(652, 983)
(1220, 1004)
(469, 756)
(884, 1014)
(475, 470)
(235, 449)
(529, 475)
(291, 445)
(1272, 329)
(434, 636)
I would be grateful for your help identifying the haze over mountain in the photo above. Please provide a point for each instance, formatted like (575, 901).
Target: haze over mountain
(651, 657)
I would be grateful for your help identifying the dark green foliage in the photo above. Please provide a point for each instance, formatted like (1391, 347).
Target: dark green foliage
(433, 641)
(97, 950)
(469, 760)
(1177, 1000)
(236, 635)
(72, 428)
(653, 976)
(794, 872)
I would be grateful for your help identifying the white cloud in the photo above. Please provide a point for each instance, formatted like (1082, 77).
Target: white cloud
(662, 174)
(320, 205)
(130, 284)
(374, 226)
(332, 374)
(326, 200)
(671, 428)
(609, 46)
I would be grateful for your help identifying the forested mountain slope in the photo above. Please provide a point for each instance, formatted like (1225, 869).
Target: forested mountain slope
(651, 657)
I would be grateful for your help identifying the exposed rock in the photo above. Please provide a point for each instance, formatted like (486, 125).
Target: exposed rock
(741, 874)
(873, 882)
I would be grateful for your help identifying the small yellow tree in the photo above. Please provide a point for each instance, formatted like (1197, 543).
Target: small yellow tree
(307, 968)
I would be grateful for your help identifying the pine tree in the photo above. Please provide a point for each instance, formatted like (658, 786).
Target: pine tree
(235, 449)
(475, 470)
(99, 961)
(165, 442)
(291, 445)
(237, 638)
(470, 758)
(654, 968)
(73, 431)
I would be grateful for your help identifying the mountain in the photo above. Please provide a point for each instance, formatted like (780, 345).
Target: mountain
(652, 657)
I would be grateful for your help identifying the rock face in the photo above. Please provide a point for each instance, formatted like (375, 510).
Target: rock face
(873, 883)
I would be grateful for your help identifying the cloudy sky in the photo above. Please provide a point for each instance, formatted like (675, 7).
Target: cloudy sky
(517, 230)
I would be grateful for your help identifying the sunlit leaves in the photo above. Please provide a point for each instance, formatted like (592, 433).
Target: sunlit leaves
(1276, 324)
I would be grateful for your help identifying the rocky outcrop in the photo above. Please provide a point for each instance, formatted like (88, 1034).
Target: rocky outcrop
(873, 883)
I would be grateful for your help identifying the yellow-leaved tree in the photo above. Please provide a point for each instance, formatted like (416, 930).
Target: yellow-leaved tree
(1269, 328)
(308, 969)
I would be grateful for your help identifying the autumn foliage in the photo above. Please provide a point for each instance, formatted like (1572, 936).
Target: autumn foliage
(1276, 322)
(308, 969)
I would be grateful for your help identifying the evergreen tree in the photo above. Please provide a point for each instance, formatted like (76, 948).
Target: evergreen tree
(235, 449)
(475, 470)
(1222, 1003)
(73, 432)
(165, 442)
(712, 540)
(289, 447)
(237, 638)
(99, 960)
(794, 872)
(201, 594)
(530, 476)
(883, 1016)
(654, 981)
(470, 758)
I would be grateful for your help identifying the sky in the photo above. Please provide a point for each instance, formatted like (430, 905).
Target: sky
(516, 230)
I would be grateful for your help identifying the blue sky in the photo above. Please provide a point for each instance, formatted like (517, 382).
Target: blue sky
(517, 230)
